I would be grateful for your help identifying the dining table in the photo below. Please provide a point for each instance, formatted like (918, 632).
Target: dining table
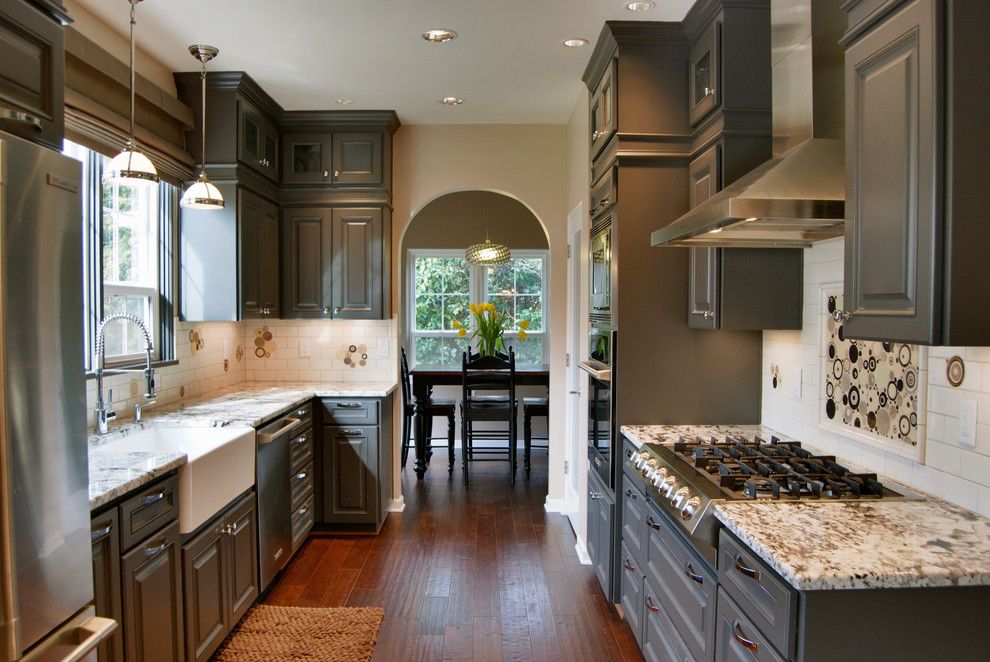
(425, 376)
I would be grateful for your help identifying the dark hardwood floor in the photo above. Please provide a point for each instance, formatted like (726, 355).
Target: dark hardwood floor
(476, 573)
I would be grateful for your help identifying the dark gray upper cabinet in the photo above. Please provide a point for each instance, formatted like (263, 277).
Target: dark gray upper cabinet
(152, 598)
(257, 144)
(704, 67)
(106, 581)
(306, 158)
(703, 176)
(32, 66)
(916, 151)
(360, 253)
(259, 256)
(306, 262)
(604, 110)
(358, 159)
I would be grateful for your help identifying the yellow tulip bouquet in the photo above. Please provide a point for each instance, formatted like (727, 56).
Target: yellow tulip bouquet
(489, 327)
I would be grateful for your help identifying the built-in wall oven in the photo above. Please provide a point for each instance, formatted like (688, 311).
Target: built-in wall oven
(601, 434)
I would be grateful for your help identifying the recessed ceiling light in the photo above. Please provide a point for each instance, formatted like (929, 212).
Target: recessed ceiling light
(642, 5)
(451, 101)
(345, 101)
(575, 42)
(440, 35)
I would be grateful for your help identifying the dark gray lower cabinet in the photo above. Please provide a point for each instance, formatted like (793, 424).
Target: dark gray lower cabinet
(661, 642)
(601, 538)
(220, 577)
(631, 592)
(152, 598)
(106, 581)
(737, 639)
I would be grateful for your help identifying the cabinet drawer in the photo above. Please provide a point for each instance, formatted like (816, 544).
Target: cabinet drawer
(737, 639)
(304, 413)
(766, 599)
(603, 194)
(301, 450)
(302, 522)
(631, 593)
(633, 520)
(687, 586)
(149, 511)
(350, 412)
(301, 485)
(661, 643)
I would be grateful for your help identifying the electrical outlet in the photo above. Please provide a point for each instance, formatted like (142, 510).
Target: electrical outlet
(967, 423)
(382, 348)
(305, 348)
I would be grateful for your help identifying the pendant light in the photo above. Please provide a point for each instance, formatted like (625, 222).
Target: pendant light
(202, 194)
(131, 167)
(487, 253)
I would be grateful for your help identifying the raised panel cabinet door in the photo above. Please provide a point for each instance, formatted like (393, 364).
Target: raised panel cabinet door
(893, 204)
(152, 598)
(603, 568)
(357, 158)
(249, 236)
(306, 158)
(242, 560)
(106, 582)
(703, 262)
(592, 537)
(661, 642)
(204, 593)
(604, 110)
(306, 262)
(352, 497)
(268, 260)
(704, 67)
(358, 254)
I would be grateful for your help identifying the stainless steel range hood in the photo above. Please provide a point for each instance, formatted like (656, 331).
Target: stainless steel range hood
(798, 197)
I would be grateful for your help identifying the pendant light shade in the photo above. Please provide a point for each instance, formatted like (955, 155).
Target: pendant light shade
(487, 253)
(202, 194)
(131, 167)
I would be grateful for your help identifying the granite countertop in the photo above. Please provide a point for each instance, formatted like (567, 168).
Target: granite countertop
(114, 471)
(828, 545)
(668, 434)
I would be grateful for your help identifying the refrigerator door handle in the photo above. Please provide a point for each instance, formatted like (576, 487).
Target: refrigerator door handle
(83, 635)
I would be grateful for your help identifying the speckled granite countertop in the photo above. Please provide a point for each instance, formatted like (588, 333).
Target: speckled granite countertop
(114, 472)
(668, 434)
(827, 545)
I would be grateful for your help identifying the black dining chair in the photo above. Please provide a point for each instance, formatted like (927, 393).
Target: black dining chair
(432, 408)
(488, 395)
(539, 408)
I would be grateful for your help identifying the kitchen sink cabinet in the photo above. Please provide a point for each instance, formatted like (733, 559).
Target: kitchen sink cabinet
(152, 598)
(916, 234)
(600, 531)
(106, 581)
(220, 577)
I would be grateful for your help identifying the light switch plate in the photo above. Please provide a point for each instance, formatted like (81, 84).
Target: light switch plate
(383, 348)
(305, 349)
(967, 423)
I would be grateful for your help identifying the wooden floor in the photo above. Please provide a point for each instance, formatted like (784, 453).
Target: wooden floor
(477, 573)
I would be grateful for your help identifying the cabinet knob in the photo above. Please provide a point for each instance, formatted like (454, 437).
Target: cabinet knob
(709, 91)
(336, 173)
(326, 173)
(326, 310)
(841, 315)
(708, 314)
(338, 309)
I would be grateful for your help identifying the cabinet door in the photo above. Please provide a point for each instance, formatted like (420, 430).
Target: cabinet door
(357, 158)
(593, 526)
(306, 262)
(306, 158)
(249, 210)
(703, 173)
(204, 569)
(268, 260)
(32, 63)
(893, 208)
(358, 252)
(603, 568)
(152, 592)
(704, 67)
(242, 559)
(631, 593)
(661, 643)
(351, 464)
(604, 110)
(257, 145)
(106, 582)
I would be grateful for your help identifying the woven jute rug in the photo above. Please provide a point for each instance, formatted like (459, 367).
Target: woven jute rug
(276, 634)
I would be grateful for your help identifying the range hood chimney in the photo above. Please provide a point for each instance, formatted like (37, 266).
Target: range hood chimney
(797, 197)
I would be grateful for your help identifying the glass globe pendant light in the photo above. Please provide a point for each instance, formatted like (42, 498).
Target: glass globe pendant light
(202, 194)
(487, 253)
(131, 166)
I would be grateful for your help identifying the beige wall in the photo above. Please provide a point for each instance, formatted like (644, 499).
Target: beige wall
(526, 162)
(460, 219)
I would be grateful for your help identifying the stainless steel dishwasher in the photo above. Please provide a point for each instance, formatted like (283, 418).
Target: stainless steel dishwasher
(274, 523)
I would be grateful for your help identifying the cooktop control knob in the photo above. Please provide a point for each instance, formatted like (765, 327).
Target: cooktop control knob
(691, 507)
(640, 459)
(667, 486)
(650, 468)
(680, 498)
(659, 476)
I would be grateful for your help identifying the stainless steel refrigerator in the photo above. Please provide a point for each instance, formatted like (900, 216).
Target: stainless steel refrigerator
(45, 550)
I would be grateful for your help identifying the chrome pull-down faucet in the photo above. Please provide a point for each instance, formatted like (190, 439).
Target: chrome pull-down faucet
(104, 409)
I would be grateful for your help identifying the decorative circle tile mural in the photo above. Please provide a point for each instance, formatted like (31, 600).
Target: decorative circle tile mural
(264, 342)
(870, 385)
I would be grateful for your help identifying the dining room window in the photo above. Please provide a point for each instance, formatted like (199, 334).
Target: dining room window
(442, 285)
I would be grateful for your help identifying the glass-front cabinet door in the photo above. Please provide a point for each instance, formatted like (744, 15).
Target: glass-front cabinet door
(704, 65)
(257, 142)
(306, 158)
(603, 111)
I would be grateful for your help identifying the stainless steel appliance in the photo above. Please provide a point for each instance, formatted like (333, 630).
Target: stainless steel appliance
(274, 499)
(600, 284)
(601, 431)
(45, 546)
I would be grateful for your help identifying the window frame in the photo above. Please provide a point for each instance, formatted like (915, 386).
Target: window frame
(478, 294)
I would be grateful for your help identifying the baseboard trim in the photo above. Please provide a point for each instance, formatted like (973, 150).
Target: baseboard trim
(555, 506)
(582, 551)
(397, 505)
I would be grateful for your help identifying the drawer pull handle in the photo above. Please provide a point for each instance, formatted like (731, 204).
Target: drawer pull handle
(151, 552)
(100, 534)
(628, 565)
(737, 634)
(630, 494)
(352, 433)
(18, 117)
(692, 575)
(650, 522)
(302, 511)
(348, 405)
(301, 440)
(301, 476)
(652, 607)
(152, 498)
(301, 412)
(749, 572)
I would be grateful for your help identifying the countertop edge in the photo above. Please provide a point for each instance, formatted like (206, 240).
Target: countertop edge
(100, 500)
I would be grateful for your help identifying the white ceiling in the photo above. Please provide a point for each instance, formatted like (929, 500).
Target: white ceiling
(507, 64)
